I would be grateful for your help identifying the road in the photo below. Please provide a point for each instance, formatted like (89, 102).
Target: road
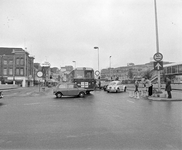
(101, 120)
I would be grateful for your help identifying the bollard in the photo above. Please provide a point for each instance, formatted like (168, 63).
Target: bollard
(131, 94)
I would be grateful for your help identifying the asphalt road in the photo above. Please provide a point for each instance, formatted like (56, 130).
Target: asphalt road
(33, 120)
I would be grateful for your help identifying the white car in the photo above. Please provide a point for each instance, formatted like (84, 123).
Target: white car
(116, 86)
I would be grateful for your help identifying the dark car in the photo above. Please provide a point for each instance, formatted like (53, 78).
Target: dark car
(69, 89)
(1, 94)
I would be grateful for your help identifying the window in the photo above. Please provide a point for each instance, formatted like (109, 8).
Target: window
(62, 86)
(70, 86)
(17, 72)
(21, 71)
(21, 61)
(10, 71)
(17, 61)
(5, 62)
(79, 74)
(10, 62)
(174, 69)
(168, 70)
(180, 68)
(5, 71)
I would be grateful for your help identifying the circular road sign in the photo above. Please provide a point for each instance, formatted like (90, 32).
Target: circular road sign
(97, 73)
(158, 57)
(39, 74)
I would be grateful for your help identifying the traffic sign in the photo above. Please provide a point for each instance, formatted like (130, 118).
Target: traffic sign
(158, 65)
(97, 73)
(158, 57)
(39, 74)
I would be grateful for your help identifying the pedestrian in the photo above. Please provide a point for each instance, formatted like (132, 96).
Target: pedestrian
(150, 87)
(136, 92)
(168, 88)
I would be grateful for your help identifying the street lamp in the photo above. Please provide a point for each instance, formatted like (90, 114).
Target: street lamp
(14, 65)
(110, 66)
(75, 63)
(98, 56)
(157, 43)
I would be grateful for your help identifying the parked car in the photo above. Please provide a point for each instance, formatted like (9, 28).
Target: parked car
(1, 94)
(68, 89)
(116, 86)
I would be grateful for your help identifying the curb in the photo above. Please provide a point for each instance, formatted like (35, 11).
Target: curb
(158, 98)
(163, 99)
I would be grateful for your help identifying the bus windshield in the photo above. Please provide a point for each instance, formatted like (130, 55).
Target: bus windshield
(87, 74)
(79, 74)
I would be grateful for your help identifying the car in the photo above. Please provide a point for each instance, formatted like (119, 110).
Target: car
(1, 94)
(116, 86)
(68, 89)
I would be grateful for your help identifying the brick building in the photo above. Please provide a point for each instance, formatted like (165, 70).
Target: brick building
(16, 67)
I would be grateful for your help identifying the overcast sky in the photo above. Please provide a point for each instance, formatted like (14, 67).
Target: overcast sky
(63, 31)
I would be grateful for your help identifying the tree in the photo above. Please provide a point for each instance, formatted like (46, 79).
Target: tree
(147, 74)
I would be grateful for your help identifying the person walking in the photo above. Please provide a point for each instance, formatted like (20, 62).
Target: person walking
(136, 92)
(150, 87)
(168, 88)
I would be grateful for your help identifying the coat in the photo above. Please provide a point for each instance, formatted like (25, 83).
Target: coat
(168, 86)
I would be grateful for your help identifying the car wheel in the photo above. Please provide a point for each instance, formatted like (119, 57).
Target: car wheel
(117, 90)
(82, 94)
(59, 95)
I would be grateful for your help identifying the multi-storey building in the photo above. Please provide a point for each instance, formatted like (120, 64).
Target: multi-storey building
(123, 72)
(16, 66)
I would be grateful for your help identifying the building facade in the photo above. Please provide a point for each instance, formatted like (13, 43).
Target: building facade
(17, 67)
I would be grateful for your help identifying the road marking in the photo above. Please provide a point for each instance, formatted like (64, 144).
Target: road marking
(130, 101)
(31, 104)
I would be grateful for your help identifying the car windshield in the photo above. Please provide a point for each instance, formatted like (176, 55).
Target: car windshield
(112, 83)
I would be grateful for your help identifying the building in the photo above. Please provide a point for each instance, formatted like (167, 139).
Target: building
(65, 71)
(131, 71)
(17, 66)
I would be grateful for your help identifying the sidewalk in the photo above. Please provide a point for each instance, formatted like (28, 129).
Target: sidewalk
(176, 95)
(8, 86)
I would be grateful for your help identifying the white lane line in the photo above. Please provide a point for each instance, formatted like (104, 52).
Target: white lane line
(130, 101)
(32, 104)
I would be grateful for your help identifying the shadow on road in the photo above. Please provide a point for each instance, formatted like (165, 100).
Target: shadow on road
(1, 104)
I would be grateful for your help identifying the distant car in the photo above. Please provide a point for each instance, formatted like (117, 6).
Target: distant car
(1, 94)
(116, 86)
(68, 89)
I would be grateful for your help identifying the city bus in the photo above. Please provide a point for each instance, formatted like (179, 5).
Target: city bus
(83, 77)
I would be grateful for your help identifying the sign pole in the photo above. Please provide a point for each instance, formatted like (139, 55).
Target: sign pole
(157, 44)
(39, 85)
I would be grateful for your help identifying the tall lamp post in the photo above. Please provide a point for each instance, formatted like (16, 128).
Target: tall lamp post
(98, 56)
(1, 69)
(157, 43)
(110, 66)
(75, 63)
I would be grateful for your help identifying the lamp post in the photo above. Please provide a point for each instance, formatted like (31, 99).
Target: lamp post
(75, 63)
(110, 66)
(1, 69)
(157, 43)
(98, 56)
